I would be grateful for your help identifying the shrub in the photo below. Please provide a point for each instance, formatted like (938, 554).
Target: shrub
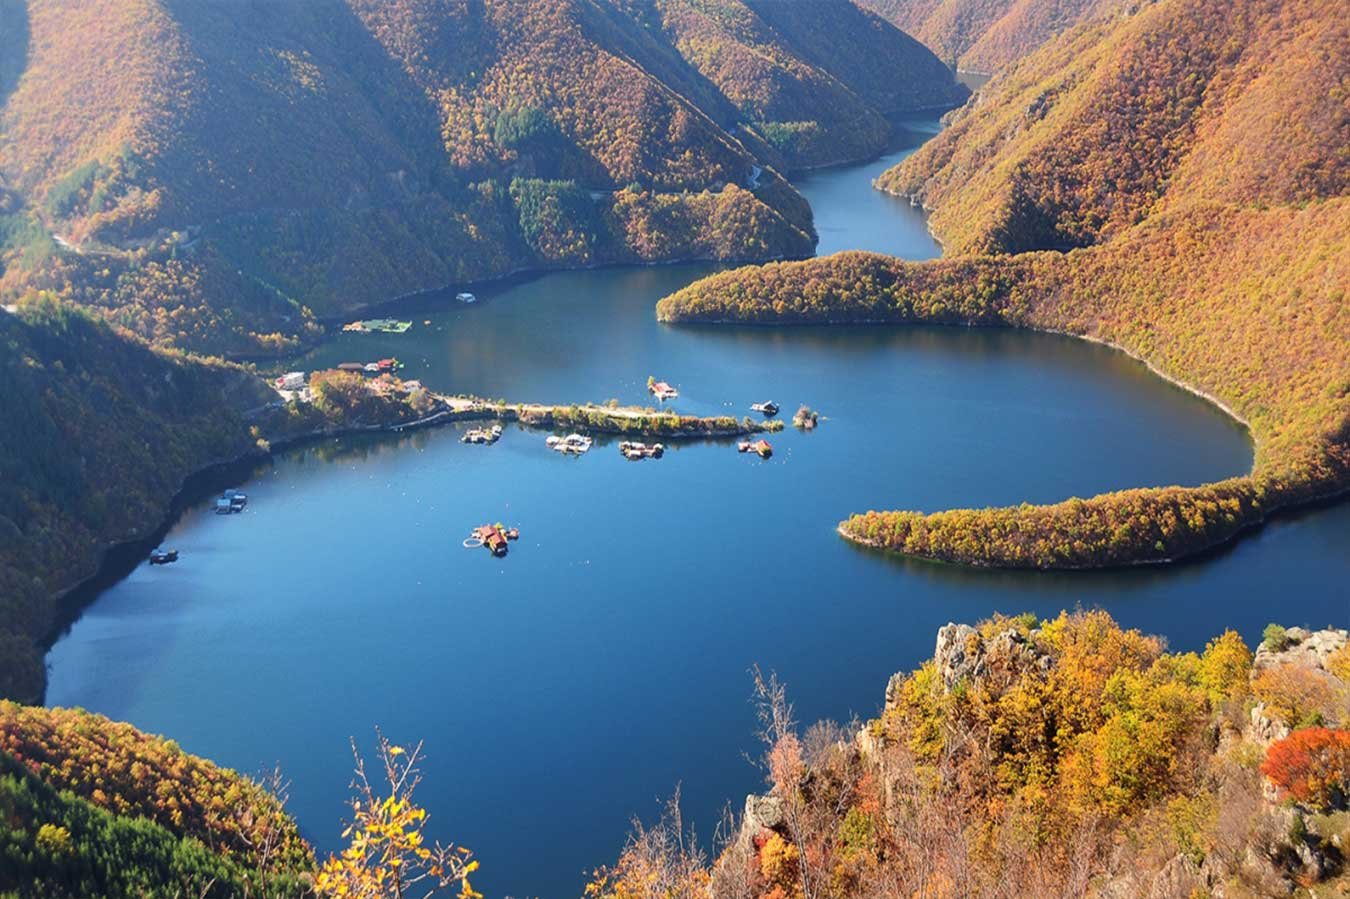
(1275, 638)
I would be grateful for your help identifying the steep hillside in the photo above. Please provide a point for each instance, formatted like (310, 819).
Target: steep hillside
(99, 433)
(1187, 101)
(987, 35)
(817, 95)
(1058, 757)
(1215, 248)
(94, 808)
(213, 180)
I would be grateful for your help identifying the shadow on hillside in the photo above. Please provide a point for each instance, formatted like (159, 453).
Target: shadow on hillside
(14, 35)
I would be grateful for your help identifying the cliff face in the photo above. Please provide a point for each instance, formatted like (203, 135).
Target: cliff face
(211, 180)
(1050, 757)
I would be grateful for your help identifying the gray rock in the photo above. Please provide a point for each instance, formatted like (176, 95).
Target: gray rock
(1311, 648)
(959, 654)
(962, 655)
(762, 813)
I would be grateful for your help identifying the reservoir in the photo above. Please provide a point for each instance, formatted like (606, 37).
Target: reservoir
(604, 662)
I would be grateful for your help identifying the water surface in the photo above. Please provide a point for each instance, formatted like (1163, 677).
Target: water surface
(604, 661)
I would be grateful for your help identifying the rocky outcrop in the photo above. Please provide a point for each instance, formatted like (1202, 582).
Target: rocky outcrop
(964, 656)
(762, 813)
(1311, 648)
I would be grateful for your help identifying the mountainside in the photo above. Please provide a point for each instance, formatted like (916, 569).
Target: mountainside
(95, 808)
(817, 95)
(1209, 242)
(987, 35)
(100, 432)
(213, 180)
(1199, 101)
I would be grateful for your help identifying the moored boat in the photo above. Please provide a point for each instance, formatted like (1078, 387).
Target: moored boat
(163, 556)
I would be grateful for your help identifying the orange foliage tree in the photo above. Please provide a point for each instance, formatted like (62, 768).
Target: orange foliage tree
(1311, 765)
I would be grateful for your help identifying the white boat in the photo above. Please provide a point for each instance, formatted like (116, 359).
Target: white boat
(466, 298)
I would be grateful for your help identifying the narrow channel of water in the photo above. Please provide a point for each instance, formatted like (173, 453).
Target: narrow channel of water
(604, 661)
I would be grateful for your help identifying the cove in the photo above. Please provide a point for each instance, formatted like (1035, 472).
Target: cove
(604, 661)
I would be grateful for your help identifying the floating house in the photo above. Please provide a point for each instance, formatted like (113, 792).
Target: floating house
(466, 298)
(492, 536)
(384, 325)
(483, 435)
(761, 448)
(663, 390)
(634, 452)
(572, 444)
(768, 408)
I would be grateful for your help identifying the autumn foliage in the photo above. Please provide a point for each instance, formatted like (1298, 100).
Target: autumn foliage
(1311, 765)
(132, 774)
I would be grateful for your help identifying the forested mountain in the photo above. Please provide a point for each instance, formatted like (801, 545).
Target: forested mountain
(987, 35)
(1182, 175)
(99, 433)
(1185, 103)
(213, 176)
(92, 807)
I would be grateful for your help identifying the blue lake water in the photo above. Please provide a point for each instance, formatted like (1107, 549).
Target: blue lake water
(576, 682)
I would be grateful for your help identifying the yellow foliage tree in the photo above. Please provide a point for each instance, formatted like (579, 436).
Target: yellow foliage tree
(387, 856)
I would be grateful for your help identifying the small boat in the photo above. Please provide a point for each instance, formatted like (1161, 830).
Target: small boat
(466, 298)
(769, 408)
(761, 448)
(633, 451)
(572, 444)
(388, 365)
(372, 368)
(163, 556)
(663, 390)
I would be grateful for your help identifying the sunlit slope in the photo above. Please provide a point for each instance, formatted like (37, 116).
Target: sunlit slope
(1188, 101)
(987, 35)
(213, 180)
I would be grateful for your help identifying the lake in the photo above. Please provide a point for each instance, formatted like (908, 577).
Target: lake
(605, 660)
